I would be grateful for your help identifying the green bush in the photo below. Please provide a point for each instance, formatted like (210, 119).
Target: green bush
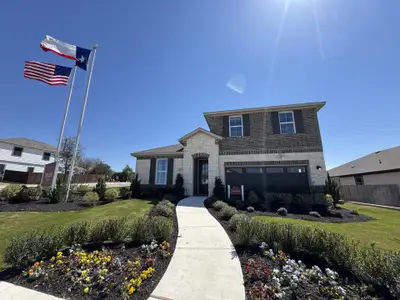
(162, 210)
(253, 199)
(227, 212)
(30, 247)
(354, 212)
(341, 202)
(209, 202)
(82, 189)
(58, 193)
(167, 203)
(179, 190)
(125, 193)
(101, 187)
(135, 187)
(92, 197)
(115, 230)
(236, 219)
(332, 188)
(282, 211)
(219, 189)
(10, 192)
(218, 205)
(30, 194)
(314, 214)
(145, 229)
(111, 194)
(76, 233)
(250, 209)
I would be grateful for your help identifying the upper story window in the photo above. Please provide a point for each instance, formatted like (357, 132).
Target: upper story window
(286, 122)
(161, 171)
(235, 126)
(17, 151)
(46, 156)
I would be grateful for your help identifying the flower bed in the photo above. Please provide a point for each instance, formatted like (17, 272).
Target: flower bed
(270, 275)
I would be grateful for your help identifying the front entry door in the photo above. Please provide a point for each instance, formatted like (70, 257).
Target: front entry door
(203, 177)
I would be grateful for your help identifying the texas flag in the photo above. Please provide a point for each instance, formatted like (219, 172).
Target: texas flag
(80, 55)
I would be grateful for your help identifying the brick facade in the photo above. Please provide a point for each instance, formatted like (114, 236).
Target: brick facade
(262, 139)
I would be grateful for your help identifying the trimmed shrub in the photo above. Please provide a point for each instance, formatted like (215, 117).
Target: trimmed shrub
(161, 210)
(10, 192)
(145, 229)
(135, 187)
(82, 189)
(253, 199)
(179, 190)
(227, 212)
(282, 211)
(36, 245)
(115, 230)
(58, 193)
(209, 202)
(218, 205)
(250, 209)
(111, 194)
(92, 197)
(236, 219)
(332, 188)
(354, 212)
(125, 192)
(341, 202)
(30, 194)
(101, 187)
(76, 233)
(219, 189)
(314, 214)
(167, 203)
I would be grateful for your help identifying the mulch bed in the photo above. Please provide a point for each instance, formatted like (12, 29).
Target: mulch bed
(59, 287)
(44, 206)
(347, 216)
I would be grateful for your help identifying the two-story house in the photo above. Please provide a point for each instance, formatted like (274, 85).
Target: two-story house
(275, 148)
(24, 156)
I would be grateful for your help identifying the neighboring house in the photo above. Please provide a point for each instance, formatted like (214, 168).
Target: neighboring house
(24, 155)
(378, 168)
(275, 148)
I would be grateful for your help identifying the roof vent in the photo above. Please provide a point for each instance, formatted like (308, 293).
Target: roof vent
(377, 152)
(352, 166)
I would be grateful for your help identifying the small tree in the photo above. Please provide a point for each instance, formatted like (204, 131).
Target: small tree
(332, 188)
(127, 174)
(219, 189)
(101, 187)
(67, 153)
(179, 191)
(135, 186)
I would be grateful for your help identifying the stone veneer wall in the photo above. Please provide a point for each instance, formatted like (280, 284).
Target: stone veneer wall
(200, 143)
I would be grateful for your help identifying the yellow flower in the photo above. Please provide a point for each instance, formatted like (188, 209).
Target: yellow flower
(86, 290)
(88, 279)
(52, 259)
(59, 253)
(68, 269)
(41, 262)
(131, 290)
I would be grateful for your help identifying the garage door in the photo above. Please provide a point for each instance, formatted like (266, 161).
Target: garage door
(271, 179)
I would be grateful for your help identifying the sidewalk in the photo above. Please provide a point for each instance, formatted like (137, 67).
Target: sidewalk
(10, 291)
(204, 265)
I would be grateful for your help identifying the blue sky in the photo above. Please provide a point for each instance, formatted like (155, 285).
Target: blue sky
(160, 64)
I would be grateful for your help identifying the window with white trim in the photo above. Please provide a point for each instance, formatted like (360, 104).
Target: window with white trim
(286, 122)
(235, 126)
(161, 170)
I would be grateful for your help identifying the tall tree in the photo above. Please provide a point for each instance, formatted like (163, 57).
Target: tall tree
(101, 168)
(67, 153)
(127, 174)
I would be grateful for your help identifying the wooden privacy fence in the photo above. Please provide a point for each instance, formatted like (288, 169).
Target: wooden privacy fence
(387, 194)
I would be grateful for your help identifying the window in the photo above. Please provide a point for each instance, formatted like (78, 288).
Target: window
(235, 126)
(161, 171)
(253, 170)
(31, 169)
(46, 156)
(359, 180)
(274, 170)
(17, 151)
(296, 170)
(235, 170)
(286, 122)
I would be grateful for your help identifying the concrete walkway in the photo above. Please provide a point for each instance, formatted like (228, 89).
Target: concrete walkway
(10, 291)
(204, 265)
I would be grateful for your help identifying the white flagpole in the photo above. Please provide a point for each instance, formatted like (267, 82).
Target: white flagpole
(54, 179)
(78, 134)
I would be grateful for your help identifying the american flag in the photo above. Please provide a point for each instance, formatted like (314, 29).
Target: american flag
(48, 73)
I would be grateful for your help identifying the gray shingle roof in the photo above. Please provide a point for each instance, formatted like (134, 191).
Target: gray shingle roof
(380, 161)
(23, 142)
(167, 150)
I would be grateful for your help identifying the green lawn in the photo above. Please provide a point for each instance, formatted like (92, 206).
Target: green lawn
(15, 223)
(384, 231)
